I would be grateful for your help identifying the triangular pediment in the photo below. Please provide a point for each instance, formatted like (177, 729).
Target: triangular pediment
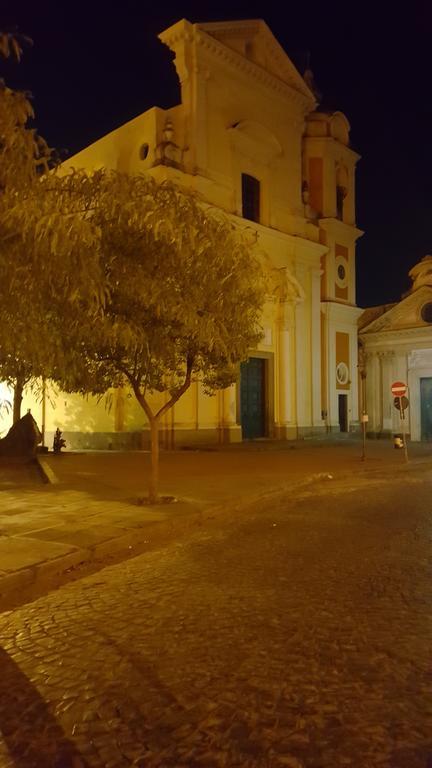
(253, 39)
(407, 314)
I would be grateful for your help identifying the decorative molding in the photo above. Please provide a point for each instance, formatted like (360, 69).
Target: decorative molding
(255, 140)
(398, 336)
(420, 358)
(253, 71)
(340, 229)
(404, 317)
(258, 28)
(342, 373)
(318, 143)
(184, 32)
(341, 313)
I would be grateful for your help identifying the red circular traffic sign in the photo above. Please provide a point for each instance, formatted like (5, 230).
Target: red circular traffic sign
(398, 388)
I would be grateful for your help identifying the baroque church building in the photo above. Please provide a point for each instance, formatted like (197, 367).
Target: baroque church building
(250, 137)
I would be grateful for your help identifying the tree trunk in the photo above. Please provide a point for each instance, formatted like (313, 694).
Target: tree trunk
(17, 399)
(154, 473)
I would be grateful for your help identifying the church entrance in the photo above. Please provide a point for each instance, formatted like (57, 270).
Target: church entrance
(426, 409)
(252, 398)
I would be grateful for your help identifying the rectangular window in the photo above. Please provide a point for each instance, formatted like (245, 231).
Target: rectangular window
(250, 197)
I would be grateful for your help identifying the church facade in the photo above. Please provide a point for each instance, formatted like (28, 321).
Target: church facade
(396, 344)
(249, 136)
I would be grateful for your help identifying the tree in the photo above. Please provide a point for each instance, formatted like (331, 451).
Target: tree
(49, 249)
(184, 298)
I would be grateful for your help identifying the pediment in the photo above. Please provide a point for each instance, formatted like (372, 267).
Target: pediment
(407, 314)
(253, 39)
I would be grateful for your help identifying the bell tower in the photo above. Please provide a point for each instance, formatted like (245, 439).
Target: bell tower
(329, 179)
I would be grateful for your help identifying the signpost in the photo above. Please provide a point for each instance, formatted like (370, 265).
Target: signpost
(398, 390)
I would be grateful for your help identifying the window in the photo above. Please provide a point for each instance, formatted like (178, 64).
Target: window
(144, 150)
(341, 264)
(250, 197)
(341, 272)
(340, 197)
(426, 312)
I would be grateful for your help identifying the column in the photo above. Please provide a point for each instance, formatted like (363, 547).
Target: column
(229, 430)
(285, 373)
(303, 356)
(316, 346)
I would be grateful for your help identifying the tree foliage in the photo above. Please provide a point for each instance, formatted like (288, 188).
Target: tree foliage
(184, 296)
(107, 278)
(48, 247)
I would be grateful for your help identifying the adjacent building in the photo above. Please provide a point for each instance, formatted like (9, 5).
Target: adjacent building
(396, 345)
(250, 136)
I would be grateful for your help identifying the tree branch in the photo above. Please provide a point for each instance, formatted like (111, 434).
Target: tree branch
(181, 390)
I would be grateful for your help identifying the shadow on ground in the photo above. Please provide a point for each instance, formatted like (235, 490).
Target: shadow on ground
(32, 735)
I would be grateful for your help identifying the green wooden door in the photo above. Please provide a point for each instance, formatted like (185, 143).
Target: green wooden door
(252, 398)
(426, 409)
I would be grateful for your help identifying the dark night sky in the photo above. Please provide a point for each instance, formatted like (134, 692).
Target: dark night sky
(95, 65)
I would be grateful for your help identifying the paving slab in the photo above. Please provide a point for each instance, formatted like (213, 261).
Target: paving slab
(79, 536)
(95, 508)
(20, 552)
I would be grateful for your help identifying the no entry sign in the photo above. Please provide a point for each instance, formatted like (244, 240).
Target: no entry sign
(398, 388)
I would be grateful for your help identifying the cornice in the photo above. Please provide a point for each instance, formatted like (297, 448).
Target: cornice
(181, 30)
(319, 140)
(312, 250)
(341, 312)
(399, 336)
(336, 226)
(253, 71)
(273, 49)
(184, 31)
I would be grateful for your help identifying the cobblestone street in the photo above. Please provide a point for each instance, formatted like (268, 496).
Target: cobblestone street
(292, 633)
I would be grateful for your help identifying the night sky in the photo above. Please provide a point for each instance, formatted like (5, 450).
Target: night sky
(95, 65)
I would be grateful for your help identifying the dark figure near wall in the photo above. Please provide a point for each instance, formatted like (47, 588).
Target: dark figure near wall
(58, 442)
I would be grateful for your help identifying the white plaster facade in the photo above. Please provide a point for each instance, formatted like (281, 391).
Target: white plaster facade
(397, 341)
(245, 109)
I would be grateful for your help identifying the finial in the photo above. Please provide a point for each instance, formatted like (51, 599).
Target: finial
(309, 79)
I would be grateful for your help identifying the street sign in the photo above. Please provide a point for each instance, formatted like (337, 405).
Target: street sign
(398, 388)
(398, 401)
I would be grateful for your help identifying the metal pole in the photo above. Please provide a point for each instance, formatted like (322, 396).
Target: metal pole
(363, 404)
(402, 417)
(43, 410)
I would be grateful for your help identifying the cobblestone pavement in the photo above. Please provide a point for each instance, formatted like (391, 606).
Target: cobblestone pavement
(297, 634)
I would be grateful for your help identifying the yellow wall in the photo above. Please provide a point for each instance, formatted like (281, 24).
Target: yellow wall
(244, 109)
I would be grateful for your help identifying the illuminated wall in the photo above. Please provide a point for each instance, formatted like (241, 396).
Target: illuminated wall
(246, 111)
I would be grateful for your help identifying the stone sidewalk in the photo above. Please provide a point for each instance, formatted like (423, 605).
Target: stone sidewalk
(92, 510)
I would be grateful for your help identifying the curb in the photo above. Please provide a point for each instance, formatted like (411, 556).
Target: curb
(27, 584)
(48, 475)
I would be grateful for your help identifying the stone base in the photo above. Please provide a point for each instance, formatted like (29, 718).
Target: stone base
(140, 440)
(316, 431)
(386, 434)
(284, 432)
(98, 441)
(231, 434)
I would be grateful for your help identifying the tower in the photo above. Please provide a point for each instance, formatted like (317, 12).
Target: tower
(329, 195)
